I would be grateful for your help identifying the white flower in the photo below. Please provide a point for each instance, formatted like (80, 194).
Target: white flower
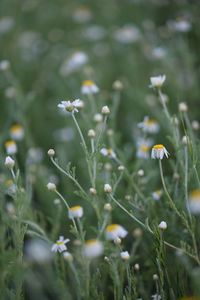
(114, 231)
(194, 202)
(158, 151)
(74, 63)
(75, 212)
(71, 106)
(183, 107)
(157, 82)
(105, 110)
(51, 152)
(127, 34)
(89, 87)
(38, 251)
(156, 297)
(60, 245)
(4, 64)
(93, 248)
(163, 225)
(158, 53)
(108, 152)
(9, 162)
(149, 125)
(143, 152)
(17, 132)
(180, 24)
(11, 147)
(157, 194)
(98, 118)
(124, 255)
(82, 14)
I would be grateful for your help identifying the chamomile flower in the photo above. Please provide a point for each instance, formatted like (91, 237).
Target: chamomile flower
(82, 14)
(74, 62)
(75, 212)
(157, 194)
(127, 34)
(11, 187)
(157, 82)
(114, 231)
(180, 24)
(89, 87)
(149, 125)
(143, 152)
(17, 132)
(158, 151)
(11, 147)
(60, 245)
(71, 106)
(93, 248)
(194, 202)
(9, 162)
(108, 152)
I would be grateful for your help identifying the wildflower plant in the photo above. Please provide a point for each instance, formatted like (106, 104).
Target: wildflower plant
(100, 190)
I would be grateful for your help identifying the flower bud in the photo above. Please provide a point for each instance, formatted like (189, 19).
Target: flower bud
(117, 85)
(183, 107)
(155, 277)
(51, 152)
(67, 256)
(105, 110)
(125, 255)
(9, 162)
(137, 267)
(51, 187)
(121, 168)
(117, 241)
(107, 188)
(163, 225)
(140, 173)
(107, 207)
(93, 191)
(91, 133)
(98, 118)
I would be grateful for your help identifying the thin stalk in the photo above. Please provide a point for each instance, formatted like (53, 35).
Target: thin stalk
(80, 229)
(94, 164)
(101, 131)
(68, 208)
(78, 185)
(13, 174)
(74, 271)
(166, 191)
(105, 221)
(117, 182)
(186, 180)
(164, 105)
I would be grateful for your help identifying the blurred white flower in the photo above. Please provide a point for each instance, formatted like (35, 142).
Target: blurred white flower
(35, 155)
(38, 251)
(60, 245)
(89, 87)
(180, 24)
(82, 14)
(149, 125)
(158, 151)
(108, 152)
(127, 34)
(157, 194)
(76, 212)
(94, 33)
(11, 147)
(114, 231)
(6, 23)
(73, 63)
(93, 248)
(17, 132)
(158, 53)
(194, 202)
(9, 162)
(66, 134)
(157, 82)
(125, 255)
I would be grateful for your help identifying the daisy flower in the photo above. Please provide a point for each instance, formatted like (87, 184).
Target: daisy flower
(124, 255)
(89, 87)
(71, 106)
(157, 194)
(194, 202)
(75, 212)
(158, 151)
(11, 147)
(74, 62)
(93, 248)
(17, 132)
(115, 231)
(149, 125)
(60, 245)
(108, 152)
(157, 82)
(143, 152)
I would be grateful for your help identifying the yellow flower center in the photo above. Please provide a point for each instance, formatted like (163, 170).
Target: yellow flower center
(9, 143)
(15, 128)
(158, 147)
(110, 150)
(75, 207)
(151, 122)
(158, 192)
(144, 148)
(90, 242)
(112, 227)
(8, 182)
(59, 243)
(195, 194)
(88, 83)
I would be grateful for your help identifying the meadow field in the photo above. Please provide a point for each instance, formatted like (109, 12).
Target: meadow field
(99, 150)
